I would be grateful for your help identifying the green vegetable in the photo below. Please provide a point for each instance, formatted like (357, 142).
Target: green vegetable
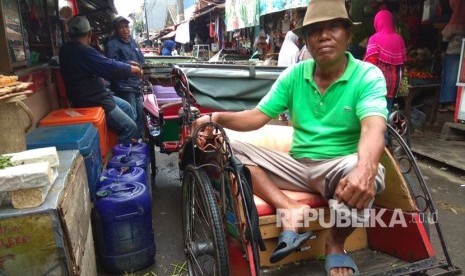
(5, 162)
(320, 257)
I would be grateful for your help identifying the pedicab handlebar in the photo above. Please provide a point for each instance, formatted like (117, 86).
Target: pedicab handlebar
(181, 85)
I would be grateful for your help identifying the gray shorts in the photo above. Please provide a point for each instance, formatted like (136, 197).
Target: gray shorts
(305, 175)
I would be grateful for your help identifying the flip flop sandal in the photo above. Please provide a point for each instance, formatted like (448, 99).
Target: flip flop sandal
(289, 242)
(340, 260)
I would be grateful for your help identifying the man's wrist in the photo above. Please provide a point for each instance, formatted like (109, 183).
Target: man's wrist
(214, 117)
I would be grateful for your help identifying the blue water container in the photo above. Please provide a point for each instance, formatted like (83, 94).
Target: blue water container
(123, 223)
(133, 160)
(140, 148)
(82, 137)
(123, 174)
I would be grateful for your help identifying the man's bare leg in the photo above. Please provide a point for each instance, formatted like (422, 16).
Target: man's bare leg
(335, 244)
(269, 192)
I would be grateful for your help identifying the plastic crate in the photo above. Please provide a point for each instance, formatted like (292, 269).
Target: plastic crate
(94, 115)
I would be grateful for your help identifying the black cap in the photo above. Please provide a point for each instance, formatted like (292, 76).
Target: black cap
(118, 20)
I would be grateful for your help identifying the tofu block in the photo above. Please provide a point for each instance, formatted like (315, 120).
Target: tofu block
(48, 154)
(31, 197)
(26, 176)
(28, 198)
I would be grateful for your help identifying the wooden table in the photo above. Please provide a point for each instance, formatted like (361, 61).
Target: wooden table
(414, 90)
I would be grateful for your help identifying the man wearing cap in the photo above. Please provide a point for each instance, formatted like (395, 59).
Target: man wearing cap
(123, 47)
(338, 112)
(84, 71)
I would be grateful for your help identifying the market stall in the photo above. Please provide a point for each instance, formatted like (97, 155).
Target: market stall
(55, 237)
(45, 229)
(423, 86)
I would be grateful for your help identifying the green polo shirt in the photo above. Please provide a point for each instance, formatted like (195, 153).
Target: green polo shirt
(327, 126)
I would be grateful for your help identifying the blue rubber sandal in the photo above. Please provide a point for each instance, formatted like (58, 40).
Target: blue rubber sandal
(289, 242)
(340, 260)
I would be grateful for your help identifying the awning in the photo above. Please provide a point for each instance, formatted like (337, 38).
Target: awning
(207, 9)
(169, 35)
(271, 6)
(183, 33)
(241, 15)
(247, 14)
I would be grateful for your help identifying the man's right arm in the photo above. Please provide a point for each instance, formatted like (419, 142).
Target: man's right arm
(246, 120)
(108, 68)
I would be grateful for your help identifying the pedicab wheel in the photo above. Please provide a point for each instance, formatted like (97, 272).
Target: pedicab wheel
(204, 238)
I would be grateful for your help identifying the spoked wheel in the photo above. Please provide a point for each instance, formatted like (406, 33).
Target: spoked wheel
(204, 238)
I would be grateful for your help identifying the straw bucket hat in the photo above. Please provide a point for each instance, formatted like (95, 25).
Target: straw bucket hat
(323, 10)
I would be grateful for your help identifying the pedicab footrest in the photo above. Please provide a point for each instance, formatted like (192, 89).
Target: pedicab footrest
(169, 147)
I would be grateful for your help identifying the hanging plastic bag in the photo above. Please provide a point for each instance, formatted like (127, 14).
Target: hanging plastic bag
(212, 29)
(425, 18)
(417, 118)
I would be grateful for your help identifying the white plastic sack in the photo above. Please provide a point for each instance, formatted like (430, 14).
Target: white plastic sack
(426, 11)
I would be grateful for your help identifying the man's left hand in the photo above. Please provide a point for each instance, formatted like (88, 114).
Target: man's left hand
(357, 189)
(134, 63)
(136, 70)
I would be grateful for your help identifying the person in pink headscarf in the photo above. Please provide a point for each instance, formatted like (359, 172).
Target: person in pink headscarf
(453, 33)
(386, 50)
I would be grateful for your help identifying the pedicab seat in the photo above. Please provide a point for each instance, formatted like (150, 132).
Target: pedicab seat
(276, 137)
(311, 199)
(165, 94)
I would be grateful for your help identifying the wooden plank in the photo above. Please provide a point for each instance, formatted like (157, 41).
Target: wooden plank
(396, 194)
(453, 131)
(88, 266)
(407, 241)
(269, 229)
(450, 153)
(74, 210)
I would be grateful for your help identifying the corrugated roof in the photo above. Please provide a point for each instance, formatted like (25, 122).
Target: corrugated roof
(169, 35)
(206, 6)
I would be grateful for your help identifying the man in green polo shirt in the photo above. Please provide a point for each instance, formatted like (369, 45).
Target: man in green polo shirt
(337, 108)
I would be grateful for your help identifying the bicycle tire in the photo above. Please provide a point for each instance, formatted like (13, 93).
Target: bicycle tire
(197, 190)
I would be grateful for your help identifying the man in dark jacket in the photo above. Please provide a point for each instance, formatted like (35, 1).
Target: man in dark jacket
(123, 47)
(84, 70)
